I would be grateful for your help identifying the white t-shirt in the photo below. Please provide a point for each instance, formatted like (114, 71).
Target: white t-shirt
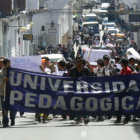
(47, 70)
(99, 71)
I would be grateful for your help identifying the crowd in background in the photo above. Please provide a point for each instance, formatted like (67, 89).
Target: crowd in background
(75, 66)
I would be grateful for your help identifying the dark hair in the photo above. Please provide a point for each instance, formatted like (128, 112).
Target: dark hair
(5, 61)
(124, 61)
(106, 57)
(131, 59)
(62, 63)
(45, 57)
(84, 62)
(69, 65)
(100, 62)
(138, 61)
(78, 57)
(117, 59)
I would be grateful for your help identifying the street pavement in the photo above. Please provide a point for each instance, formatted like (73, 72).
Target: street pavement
(26, 128)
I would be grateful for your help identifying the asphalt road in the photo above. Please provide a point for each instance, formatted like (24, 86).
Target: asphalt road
(26, 128)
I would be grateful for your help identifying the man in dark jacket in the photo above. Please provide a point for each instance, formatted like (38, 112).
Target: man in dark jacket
(80, 70)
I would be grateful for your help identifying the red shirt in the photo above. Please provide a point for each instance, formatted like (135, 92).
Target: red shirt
(126, 71)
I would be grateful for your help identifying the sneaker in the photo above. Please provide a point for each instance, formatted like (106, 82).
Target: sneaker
(134, 120)
(71, 117)
(100, 119)
(5, 125)
(125, 121)
(109, 117)
(78, 121)
(86, 121)
(48, 118)
(38, 118)
(12, 122)
(44, 121)
(64, 117)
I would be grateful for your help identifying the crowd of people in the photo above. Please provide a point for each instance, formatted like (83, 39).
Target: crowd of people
(105, 67)
(75, 66)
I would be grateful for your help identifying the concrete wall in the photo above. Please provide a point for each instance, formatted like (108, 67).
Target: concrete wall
(60, 28)
(42, 3)
(6, 7)
(32, 5)
(44, 17)
(11, 40)
(13, 43)
(138, 1)
(129, 2)
(57, 13)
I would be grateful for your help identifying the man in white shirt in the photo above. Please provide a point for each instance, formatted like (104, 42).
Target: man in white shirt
(109, 70)
(99, 70)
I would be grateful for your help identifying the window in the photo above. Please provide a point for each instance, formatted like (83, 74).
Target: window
(43, 28)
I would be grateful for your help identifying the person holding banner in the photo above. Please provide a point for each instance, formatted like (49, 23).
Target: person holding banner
(99, 71)
(80, 70)
(45, 67)
(6, 65)
(124, 71)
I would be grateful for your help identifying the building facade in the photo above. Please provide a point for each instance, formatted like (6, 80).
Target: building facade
(6, 7)
(51, 26)
(131, 7)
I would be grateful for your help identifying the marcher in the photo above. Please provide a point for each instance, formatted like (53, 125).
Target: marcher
(82, 38)
(131, 65)
(6, 65)
(80, 52)
(109, 69)
(99, 71)
(77, 71)
(72, 56)
(125, 71)
(77, 40)
(47, 68)
(90, 41)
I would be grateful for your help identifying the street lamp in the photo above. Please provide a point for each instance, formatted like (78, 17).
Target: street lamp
(27, 27)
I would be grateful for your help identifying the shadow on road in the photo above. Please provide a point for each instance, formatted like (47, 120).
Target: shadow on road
(137, 129)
